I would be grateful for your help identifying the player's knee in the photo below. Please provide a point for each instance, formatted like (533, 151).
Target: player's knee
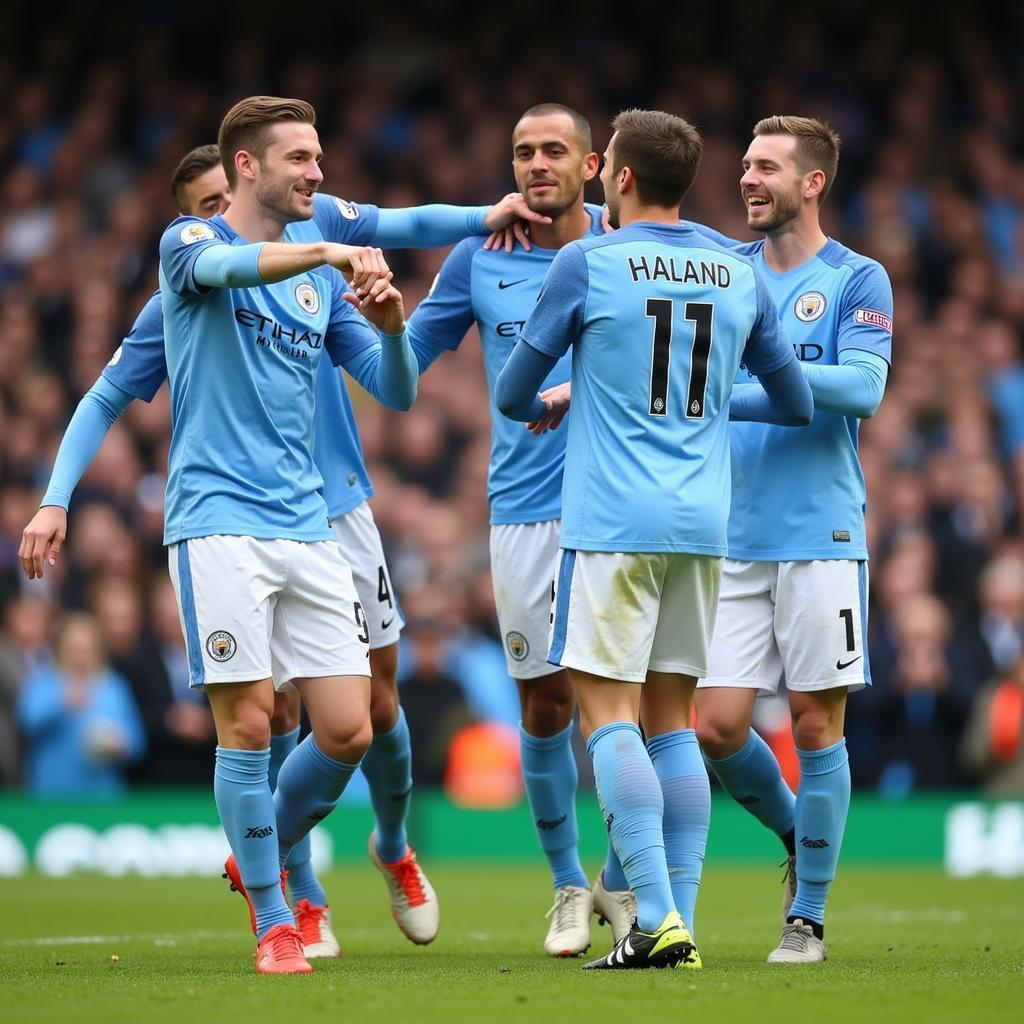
(344, 742)
(814, 730)
(547, 711)
(285, 718)
(720, 736)
(249, 728)
(383, 708)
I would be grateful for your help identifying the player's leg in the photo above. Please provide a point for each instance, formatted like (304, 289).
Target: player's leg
(284, 730)
(744, 661)
(387, 765)
(523, 557)
(224, 587)
(821, 630)
(679, 655)
(606, 608)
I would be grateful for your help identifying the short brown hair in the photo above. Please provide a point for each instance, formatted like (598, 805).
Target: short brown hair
(245, 127)
(817, 144)
(192, 164)
(663, 152)
(580, 124)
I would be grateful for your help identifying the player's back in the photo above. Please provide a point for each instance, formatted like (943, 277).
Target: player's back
(665, 323)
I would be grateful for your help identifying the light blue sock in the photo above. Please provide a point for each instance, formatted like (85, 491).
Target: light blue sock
(246, 808)
(280, 748)
(308, 787)
(687, 793)
(631, 802)
(550, 778)
(752, 777)
(302, 881)
(387, 766)
(611, 874)
(822, 803)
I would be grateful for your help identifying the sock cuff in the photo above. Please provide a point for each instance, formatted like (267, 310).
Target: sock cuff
(821, 762)
(286, 738)
(667, 740)
(399, 731)
(560, 739)
(327, 765)
(741, 756)
(242, 765)
(605, 730)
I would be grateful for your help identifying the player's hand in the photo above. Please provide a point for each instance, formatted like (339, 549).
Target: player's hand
(362, 264)
(506, 238)
(382, 305)
(41, 540)
(510, 209)
(606, 222)
(556, 400)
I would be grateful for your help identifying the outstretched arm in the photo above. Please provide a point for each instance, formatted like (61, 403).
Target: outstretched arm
(853, 388)
(515, 391)
(783, 398)
(96, 414)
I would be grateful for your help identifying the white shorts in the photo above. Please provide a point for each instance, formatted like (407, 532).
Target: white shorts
(359, 538)
(804, 623)
(620, 615)
(523, 559)
(256, 608)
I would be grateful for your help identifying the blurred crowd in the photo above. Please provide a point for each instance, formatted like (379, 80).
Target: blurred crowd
(93, 673)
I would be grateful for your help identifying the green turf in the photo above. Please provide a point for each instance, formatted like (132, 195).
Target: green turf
(905, 945)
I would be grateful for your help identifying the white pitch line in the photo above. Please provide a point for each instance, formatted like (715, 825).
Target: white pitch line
(158, 939)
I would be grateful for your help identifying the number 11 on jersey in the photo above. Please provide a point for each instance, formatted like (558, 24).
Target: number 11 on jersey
(662, 312)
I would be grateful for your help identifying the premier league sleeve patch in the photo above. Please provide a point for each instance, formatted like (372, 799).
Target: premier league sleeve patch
(873, 318)
(192, 233)
(348, 210)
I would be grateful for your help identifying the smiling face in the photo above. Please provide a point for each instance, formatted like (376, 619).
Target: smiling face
(772, 184)
(549, 163)
(288, 172)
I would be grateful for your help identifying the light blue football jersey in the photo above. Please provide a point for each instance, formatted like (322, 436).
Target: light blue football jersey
(139, 366)
(658, 319)
(498, 291)
(242, 365)
(799, 495)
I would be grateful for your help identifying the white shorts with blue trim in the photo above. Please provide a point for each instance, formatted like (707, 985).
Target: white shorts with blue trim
(523, 559)
(256, 608)
(622, 615)
(804, 623)
(359, 539)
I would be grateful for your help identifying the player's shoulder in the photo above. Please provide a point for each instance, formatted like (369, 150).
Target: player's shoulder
(835, 254)
(324, 202)
(188, 230)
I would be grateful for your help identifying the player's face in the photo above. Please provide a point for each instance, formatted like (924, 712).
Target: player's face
(549, 163)
(771, 185)
(289, 172)
(208, 194)
(608, 183)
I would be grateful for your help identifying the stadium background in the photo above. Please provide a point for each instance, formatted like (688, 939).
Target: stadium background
(416, 110)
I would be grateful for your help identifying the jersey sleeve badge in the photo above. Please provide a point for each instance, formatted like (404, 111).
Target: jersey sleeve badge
(873, 318)
(192, 233)
(348, 210)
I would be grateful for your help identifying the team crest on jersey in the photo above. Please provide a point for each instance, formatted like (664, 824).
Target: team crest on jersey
(308, 297)
(191, 233)
(221, 645)
(518, 648)
(874, 318)
(810, 306)
(348, 210)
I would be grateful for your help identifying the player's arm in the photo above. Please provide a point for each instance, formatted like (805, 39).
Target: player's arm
(864, 346)
(97, 412)
(381, 360)
(554, 324)
(441, 320)
(195, 259)
(417, 227)
(784, 397)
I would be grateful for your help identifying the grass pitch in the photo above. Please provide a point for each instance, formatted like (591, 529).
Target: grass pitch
(905, 945)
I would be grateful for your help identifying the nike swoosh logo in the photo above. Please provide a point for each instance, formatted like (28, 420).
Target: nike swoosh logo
(384, 625)
(846, 664)
(508, 284)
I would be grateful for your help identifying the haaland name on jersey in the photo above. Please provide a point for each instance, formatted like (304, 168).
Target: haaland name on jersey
(667, 269)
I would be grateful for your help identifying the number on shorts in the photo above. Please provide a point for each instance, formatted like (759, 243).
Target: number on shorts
(383, 590)
(662, 311)
(846, 614)
(364, 629)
